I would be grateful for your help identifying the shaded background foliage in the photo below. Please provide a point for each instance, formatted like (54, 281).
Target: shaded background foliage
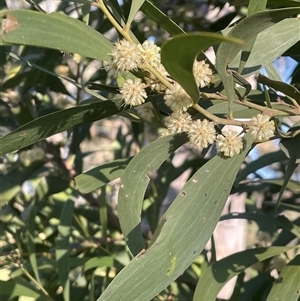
(47, 222)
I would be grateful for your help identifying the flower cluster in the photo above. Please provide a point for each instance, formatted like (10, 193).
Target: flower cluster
(127, 56)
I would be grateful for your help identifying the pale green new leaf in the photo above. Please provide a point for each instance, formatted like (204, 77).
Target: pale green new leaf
(186, 227)
(220, 272)
(135, 6)
(287, 286)
(56, 31)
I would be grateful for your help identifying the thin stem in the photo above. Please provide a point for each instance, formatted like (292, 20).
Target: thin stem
(269, 111)
(217, 119)
(157, 74)
(36, 283)
(100, 4)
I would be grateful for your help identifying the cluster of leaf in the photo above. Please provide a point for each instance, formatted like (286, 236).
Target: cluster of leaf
(62, 240)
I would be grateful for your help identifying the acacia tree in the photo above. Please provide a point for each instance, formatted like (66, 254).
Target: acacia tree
(61, 238)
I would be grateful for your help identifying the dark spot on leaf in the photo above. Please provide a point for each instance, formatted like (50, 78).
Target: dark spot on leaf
(182, 193)
(9, 23)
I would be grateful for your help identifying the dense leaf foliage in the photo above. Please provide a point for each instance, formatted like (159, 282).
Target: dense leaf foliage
(132, 132)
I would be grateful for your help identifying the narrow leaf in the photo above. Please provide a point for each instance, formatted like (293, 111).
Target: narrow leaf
(246, 30)
(36, 29)
(266, 49)
(256, 6)
(194, 214)
(101, 175)
(95, 262)
(152, 12)
(53, 123)
(20, 287)
(253, 7)
(62, 247)
(220, 272)
(134, 183)
(31, 243)
(287, 286)
(135, 6)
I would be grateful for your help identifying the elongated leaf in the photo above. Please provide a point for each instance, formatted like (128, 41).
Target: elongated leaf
(135, 6)
(187, 47)
(278, 3)
(53, 123)
(256, 6)
(152, 12)
(55, 31)
(185, 229)
(266, 49)
(62, 247)
(261, 162)
(253, 7)
(104, 261)
(134, 183)
(20, 287)
(246, 30)
(220, 272)
(287, 286)
(292, 185)
(31, 243)
(101, 175)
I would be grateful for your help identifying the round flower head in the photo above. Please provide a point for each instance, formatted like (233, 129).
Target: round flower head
(133, 92)
(150, 53)
(201, 133)
(178, 122)
(126, 56)
(229, 143)
(261, 128)
(202, 73)
(177, 99)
